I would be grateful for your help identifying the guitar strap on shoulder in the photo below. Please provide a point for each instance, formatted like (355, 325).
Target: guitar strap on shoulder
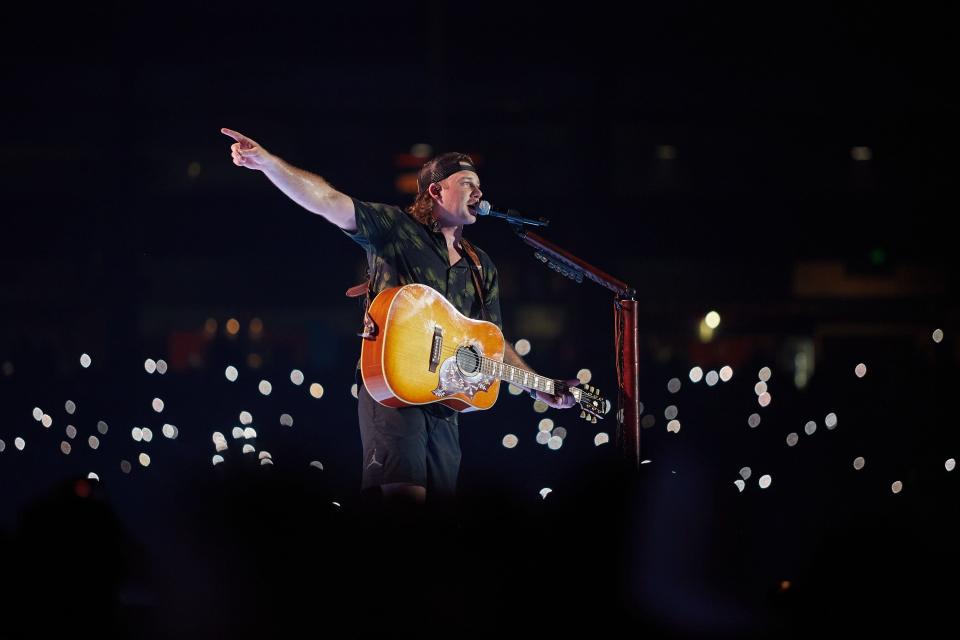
(473, 261)
(475, 267)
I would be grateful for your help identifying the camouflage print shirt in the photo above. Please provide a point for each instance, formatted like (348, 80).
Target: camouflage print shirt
(402, 251)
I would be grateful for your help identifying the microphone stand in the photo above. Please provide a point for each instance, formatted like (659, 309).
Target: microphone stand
(625, 323)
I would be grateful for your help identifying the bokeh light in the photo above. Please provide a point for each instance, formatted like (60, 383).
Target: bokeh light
(522, 346)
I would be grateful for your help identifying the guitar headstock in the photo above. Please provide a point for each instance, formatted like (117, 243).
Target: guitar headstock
(593, 405)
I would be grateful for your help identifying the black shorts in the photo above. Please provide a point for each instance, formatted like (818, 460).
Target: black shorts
(414, 445)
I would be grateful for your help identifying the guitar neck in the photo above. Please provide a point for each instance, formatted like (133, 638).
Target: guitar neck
(521, 377)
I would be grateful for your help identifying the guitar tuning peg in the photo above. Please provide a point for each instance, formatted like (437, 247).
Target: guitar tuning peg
(593, 419)
(583, 414)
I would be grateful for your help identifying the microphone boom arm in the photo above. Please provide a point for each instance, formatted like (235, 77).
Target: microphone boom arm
(511, 216)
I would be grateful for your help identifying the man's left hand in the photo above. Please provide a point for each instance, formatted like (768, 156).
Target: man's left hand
(563, 400)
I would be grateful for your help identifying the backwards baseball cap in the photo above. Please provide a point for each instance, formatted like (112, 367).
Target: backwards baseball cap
(443, 166)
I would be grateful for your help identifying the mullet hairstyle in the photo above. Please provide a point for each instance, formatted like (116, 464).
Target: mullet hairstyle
(422, 208)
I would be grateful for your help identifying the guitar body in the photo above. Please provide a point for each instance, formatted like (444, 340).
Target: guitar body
(421, 350)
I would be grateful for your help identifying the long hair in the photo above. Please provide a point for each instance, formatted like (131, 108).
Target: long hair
(422, 209)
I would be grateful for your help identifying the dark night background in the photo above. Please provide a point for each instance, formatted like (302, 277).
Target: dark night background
(789, 166)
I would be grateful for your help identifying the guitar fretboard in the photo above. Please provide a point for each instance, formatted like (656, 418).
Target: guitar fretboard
(517, 376)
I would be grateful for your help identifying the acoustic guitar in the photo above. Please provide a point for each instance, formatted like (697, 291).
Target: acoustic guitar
(418, 349)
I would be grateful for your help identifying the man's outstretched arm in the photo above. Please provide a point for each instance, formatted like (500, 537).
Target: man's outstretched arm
(309, 190)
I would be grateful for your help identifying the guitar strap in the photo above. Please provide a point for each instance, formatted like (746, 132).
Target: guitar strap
(475, 267)
(363, 289)
(473, 262)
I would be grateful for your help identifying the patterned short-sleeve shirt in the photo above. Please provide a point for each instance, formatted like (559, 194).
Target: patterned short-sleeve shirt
(401, 250)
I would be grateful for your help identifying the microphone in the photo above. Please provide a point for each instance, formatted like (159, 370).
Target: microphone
(483, 209)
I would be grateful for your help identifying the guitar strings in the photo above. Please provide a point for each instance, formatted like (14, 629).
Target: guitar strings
(473, 360)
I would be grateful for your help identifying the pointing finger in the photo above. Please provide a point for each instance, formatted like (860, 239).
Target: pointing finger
(236, 135)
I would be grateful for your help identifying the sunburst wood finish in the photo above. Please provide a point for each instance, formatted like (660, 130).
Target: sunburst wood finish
(396, 361)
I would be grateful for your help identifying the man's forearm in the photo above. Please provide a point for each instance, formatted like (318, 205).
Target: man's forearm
(510, 356)
(311, 192)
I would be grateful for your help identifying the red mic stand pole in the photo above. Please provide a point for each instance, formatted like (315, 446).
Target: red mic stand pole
(627, 340)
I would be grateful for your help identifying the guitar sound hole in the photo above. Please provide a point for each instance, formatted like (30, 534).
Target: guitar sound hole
(468, 360)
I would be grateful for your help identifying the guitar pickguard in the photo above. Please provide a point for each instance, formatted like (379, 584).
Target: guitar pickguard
(454, 380)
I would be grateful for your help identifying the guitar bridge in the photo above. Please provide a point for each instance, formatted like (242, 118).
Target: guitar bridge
(436, 349)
